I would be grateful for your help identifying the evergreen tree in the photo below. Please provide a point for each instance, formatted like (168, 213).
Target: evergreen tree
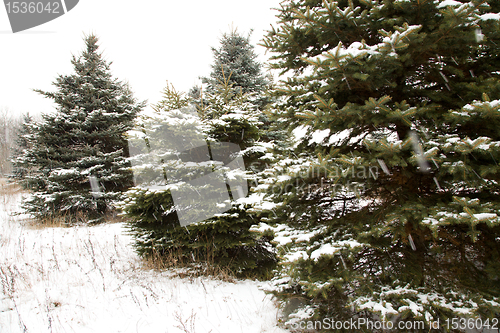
(235, 62)
(236, 72)
(181, 155)
(79, 152)
(394, 176)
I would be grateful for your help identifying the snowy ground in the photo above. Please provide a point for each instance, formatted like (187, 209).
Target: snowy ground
(88, 279)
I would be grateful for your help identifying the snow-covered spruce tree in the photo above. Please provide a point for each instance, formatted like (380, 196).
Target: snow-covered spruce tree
(235, 60)
(79, 152)
(170, 155)
(395, 174)
(235, 65)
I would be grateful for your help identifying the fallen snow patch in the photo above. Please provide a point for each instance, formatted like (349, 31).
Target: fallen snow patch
(89, 279)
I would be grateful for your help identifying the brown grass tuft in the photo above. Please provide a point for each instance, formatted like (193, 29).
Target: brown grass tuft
(181, 267)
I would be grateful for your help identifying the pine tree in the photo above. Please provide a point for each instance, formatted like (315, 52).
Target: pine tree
(235, 61)
(181, 154)
(236, 76)
(79, 152)
(394, 176)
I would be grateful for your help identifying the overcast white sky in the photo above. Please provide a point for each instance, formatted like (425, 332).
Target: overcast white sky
(149, 42)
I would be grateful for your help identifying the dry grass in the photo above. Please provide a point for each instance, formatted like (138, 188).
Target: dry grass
(46, 223)
(78, 219)
(8, 190)
(183, 268)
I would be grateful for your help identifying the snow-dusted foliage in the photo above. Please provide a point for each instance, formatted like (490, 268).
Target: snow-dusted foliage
(77, 155)
(189, 167)
(236, 61)
(388, 198)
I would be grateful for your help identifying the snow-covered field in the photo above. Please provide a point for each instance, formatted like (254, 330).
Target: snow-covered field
(88, 279)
